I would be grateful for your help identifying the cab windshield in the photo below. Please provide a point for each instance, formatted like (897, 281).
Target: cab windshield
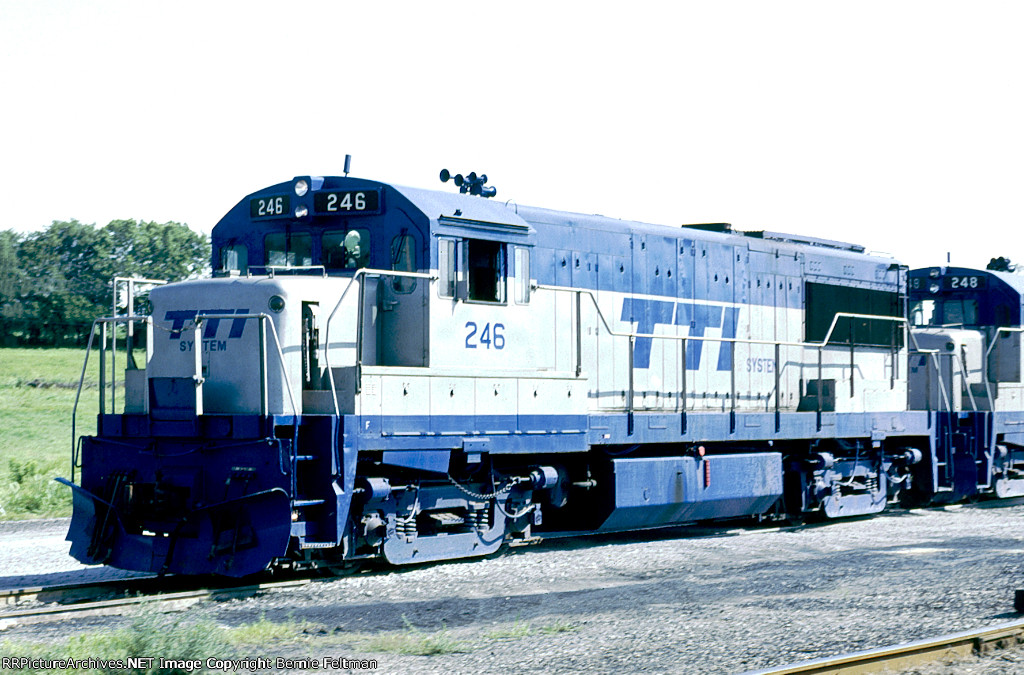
(282, 249)
(944, 312)
(346, 249)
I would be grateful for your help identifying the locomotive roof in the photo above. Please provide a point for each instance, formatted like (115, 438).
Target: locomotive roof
(454, 208)
(437, 204)
(721, 232)
(1014, 281)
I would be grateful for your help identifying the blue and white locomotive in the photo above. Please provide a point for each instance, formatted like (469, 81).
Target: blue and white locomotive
(970, 322)
(376, 371)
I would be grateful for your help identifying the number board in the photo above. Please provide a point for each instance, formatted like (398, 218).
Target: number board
(269, 207)
(964, 282)
(348, 201)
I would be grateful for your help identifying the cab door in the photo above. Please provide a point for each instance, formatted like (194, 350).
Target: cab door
(404, 325)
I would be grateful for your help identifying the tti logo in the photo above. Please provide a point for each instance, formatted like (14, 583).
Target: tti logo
(647, 314)
(179, 317)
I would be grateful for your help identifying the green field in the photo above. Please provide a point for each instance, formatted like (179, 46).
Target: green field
(37, 395)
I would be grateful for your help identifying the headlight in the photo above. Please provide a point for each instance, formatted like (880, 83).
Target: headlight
(933, 287)
(276, 303)
(301, 211)
(301, 187)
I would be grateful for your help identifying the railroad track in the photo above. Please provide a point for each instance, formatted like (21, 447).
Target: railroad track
(173, 593)
(111, 598)
(921, 652)
(72, 592)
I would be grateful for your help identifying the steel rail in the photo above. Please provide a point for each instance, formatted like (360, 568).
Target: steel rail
(895, 658)
(71, 594)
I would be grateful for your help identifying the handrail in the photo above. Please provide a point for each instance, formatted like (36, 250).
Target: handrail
(963, 374)
(934, 353)
(129, 341)
(263, 318)
(988, 353)
(362, 272)
(367, 272)
(849, 315)
(683, 339)
(85, 365)
(784, 343)
(294, 268)
(196, 323)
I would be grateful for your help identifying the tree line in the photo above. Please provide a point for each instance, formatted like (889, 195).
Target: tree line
(54, 282)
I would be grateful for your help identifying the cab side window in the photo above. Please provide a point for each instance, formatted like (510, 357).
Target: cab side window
(485, 270)
(234, 258)
(522, 273)
(446, 268)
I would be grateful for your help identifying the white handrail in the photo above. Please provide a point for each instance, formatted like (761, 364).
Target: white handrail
(988, 353)
(632, 335)
(277, 344)
(85, 365)
(784, 343)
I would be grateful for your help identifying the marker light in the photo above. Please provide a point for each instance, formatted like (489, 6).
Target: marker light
(301, 187)
(276, 303)
(301, 211)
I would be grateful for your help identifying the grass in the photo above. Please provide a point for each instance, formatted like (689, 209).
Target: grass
(37, 395)
(150, 634)
(28, 490)
(153, 634)
(518, 629)
(414, 642)
(264, 632)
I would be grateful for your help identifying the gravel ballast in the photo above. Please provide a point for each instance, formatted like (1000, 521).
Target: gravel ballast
(35, 553)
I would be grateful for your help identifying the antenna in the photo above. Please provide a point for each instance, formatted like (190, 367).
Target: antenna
(348, 164)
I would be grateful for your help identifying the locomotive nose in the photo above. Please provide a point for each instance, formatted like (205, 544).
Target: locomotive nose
(168, 510)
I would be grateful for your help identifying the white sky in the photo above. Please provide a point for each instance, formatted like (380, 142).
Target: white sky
(896, 125)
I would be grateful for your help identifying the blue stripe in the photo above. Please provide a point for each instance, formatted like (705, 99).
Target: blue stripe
(728, 331)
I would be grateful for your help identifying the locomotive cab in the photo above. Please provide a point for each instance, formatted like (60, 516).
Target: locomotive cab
(236, 447)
